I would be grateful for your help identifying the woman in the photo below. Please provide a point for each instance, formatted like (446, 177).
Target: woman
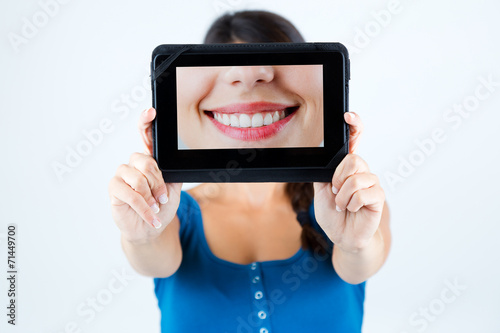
(231, 257)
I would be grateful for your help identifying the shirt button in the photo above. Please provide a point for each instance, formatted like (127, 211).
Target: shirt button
(254, 266)
(258, 295)
(263, 330)
(255, 279)
(262, 315)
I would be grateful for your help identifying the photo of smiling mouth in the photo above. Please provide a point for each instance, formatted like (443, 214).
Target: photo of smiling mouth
(252, 121)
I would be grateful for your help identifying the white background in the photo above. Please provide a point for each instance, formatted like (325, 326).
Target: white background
(73, 72)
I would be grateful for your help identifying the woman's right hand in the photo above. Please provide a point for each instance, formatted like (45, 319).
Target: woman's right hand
(142, 204)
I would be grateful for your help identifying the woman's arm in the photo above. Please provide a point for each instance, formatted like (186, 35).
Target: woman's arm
(160, 257)
(359, 265)
(144, 208)
(353, 213)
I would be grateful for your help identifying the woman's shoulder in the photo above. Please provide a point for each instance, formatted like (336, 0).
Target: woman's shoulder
(317, 227)
(190, 200)
(188, 212)
(187, 202)
(188, 197)
(198, 196)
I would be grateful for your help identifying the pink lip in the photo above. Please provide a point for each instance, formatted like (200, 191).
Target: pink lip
(251, 107)
(253, 134)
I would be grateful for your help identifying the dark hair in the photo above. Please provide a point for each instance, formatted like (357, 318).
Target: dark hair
(258, 26)
(252, 26)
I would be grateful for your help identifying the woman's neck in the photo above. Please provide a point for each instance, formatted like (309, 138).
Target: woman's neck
(250, 194)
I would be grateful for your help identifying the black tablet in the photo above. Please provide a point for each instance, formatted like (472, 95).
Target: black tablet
(271, 112)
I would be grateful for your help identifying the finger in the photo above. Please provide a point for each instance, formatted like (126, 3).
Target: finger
(138, 182)
(144, 125)
(149, 168)
(353, 184)
(124, 193)
(372, 198)
(356, 128)
(350, 165)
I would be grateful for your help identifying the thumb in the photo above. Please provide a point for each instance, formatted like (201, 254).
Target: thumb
(145, 129)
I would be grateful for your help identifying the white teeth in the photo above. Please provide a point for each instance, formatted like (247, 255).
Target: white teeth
(276, 116)
(235, 122)
(268, 119)
(257, 120)
(245, 120)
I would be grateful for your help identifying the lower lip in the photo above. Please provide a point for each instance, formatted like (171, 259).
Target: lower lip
(253, 133)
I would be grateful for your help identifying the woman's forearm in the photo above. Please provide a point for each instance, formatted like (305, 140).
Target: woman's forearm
(160, 257)
(357, 266)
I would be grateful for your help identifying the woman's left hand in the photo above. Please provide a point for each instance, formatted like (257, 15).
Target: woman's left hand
(349, 209)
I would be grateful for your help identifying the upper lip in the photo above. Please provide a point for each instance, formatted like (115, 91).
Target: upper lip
(251, 107)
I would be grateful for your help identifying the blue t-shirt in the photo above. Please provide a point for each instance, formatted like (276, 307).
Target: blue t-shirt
(300, 294)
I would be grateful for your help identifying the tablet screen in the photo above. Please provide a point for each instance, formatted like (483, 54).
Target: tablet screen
(265, 106)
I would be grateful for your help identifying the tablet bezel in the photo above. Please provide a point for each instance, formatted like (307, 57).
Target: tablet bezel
(253, 164)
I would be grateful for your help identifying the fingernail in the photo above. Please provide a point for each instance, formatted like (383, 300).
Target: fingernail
(163, 199)
(334, 190)
(156, 223)
(146, 112)
(350, 115)
(155, 208)
(338, 208)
